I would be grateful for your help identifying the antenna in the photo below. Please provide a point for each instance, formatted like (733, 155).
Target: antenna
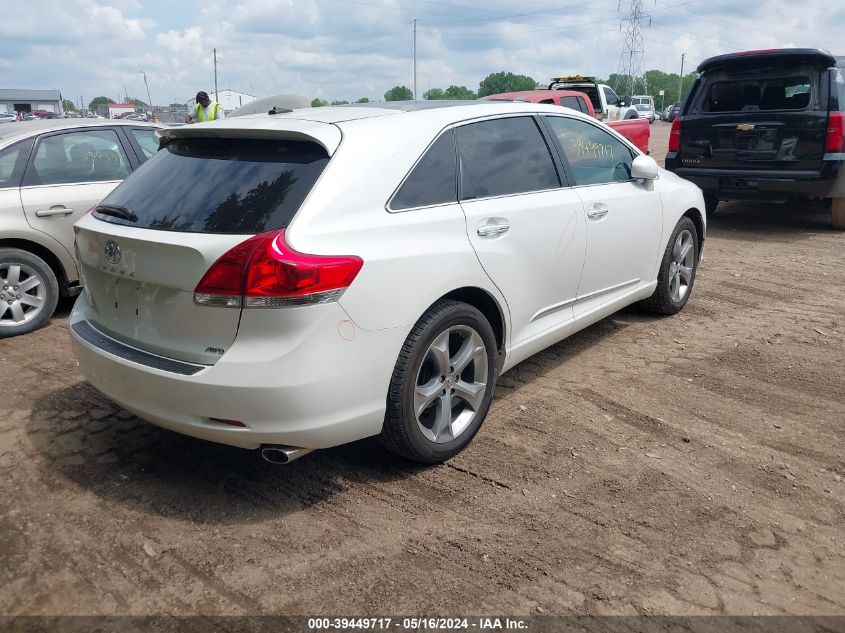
(632, 64)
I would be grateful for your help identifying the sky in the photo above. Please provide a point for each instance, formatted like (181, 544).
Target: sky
(346, 49)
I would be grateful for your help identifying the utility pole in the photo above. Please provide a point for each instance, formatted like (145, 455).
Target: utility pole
(215, 73)
(125, 95)
(149, 98)
(681, 82)
(415, 59)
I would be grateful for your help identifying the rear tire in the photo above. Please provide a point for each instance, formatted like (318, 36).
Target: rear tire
(837, 213)
(677, 271)
(442, 384)
(29, 292)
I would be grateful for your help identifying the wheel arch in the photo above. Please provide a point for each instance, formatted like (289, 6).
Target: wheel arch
(698, 219)
(49, 257)
(487, 305)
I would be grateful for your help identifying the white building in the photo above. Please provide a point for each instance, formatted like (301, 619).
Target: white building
(12, 100)
(120, 108)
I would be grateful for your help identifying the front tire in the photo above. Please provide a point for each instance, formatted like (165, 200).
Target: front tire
(442, 384)
(29, 292)
(677, 271)
(837, 213)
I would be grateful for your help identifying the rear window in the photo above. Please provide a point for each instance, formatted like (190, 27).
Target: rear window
(434, 180)
(233, 186)
(754, 95)
(573, 102)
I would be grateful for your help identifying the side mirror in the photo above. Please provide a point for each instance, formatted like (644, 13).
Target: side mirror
(644, 168)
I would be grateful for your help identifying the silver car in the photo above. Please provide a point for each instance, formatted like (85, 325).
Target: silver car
(51, 173)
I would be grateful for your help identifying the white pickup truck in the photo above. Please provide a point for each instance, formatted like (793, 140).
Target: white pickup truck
(607, 105)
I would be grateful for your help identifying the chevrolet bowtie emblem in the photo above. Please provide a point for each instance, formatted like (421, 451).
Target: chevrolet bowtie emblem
(745, 127)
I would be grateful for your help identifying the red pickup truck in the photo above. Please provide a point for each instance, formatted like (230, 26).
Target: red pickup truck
(635, 130)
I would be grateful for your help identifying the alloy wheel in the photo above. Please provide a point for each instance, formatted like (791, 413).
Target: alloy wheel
(681, 266)
(22, 294)
(450, 384)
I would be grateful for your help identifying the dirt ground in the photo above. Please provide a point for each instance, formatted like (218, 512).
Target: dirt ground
(683, 465)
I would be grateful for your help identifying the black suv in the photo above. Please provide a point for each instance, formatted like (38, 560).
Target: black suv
(765, 125)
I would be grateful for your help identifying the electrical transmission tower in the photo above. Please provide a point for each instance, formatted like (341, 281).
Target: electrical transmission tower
(632, 63)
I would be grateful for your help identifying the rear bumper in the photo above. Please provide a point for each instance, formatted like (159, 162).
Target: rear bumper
(327, 389)
(737, 184)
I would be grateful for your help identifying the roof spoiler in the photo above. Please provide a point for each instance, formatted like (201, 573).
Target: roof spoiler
(814, 56)
(325, 134)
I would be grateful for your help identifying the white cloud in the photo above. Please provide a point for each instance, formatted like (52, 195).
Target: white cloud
(353, 48)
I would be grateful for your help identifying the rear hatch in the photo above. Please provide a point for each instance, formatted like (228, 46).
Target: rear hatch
(147, 246)
(757, 113)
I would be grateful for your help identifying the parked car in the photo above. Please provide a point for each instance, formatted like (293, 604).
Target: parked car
(635, 130)
(765, 125)
(8, 117)
(672, 111)
(642, 99)
(271, 281)
(51, 172)
(646, 112)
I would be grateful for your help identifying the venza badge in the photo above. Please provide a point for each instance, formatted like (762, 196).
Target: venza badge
(112, 251)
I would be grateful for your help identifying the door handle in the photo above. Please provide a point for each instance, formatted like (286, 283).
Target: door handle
(490, 230)
(597, 211)
(56, 209)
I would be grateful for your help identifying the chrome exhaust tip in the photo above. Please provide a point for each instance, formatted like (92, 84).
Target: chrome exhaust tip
(283, 454)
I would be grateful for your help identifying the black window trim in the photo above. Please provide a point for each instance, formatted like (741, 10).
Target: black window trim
(389, 204)
(29, 179)
(562, 155)
(561, 166)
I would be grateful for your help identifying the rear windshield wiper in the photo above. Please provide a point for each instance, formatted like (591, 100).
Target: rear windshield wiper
(119, 212)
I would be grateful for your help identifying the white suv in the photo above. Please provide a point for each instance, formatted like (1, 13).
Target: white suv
(299, 280)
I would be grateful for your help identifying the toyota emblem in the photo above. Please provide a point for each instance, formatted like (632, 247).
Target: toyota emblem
(112, 251)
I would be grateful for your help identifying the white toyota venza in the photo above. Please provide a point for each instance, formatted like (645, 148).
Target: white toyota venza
(298, 280)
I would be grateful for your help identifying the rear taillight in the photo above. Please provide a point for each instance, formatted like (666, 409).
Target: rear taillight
(675, 135)
(264, 272)
(835, 138)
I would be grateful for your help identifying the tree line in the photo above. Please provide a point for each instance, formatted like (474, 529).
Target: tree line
(653, 82)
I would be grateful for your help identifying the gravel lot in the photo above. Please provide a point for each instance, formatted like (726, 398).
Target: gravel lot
(684, 465)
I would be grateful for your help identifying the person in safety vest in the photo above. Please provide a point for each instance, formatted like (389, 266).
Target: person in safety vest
(205, 110)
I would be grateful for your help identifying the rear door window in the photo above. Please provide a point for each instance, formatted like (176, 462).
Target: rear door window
(213, 185)
(755, 95)
(75, 157)
(434, 180)
(504, 156)
(572, 102)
